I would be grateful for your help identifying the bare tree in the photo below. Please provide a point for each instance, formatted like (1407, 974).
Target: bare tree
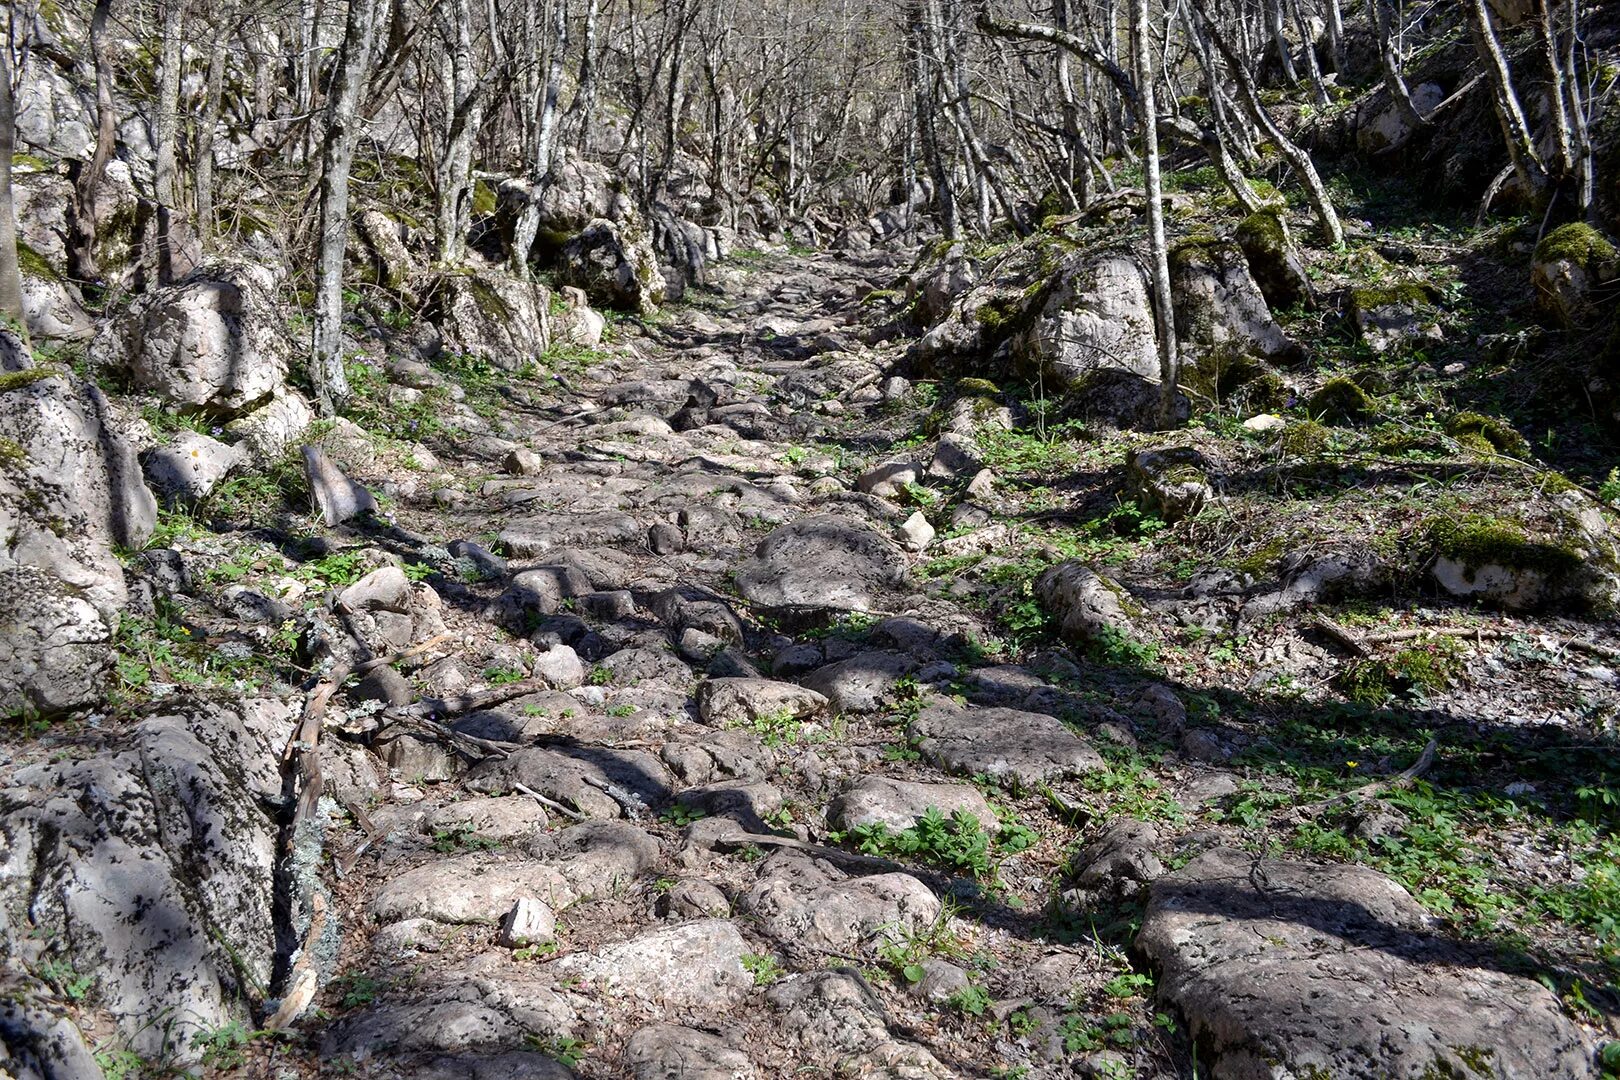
(337, 159)
(1158, 252)
(11, 302)
(166, 136)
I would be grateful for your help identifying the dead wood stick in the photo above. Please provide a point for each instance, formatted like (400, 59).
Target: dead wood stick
(1360, 644)
(465, 703)
(1367, 791)
(489, 747)
(821, 851)
(551, 804)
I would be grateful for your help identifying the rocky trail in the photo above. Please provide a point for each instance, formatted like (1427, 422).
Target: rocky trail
(699, 756)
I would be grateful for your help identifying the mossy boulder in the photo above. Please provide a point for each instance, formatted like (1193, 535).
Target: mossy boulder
(1571, 263)
(1488, 433)
(1170, 483)
(1526, 561)
(1219, 308)
(1341, 401)
(1274, 260)
(1392, 318)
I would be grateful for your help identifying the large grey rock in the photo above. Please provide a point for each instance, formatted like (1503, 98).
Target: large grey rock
(52, 116)
(728, 702)
(596, 781)
(687, 965)
(821, 563)
(614, 265)
(270, 431)
(491, 317)
(1286, 968)
(213, 341)
(1220, 311)
(190, 467)
(576, 193)
(1115, 865)
(70, 489)
(834, 1017)
(1098, 317)
(1171, 483)
(1274, 260)
(669, 1052)
(800, 904)
(862, 683)
(1087, 606)
(53, 308)
(897, 804)
(478, 887)
(38, 1043)
(150, 864)
(1008, 745)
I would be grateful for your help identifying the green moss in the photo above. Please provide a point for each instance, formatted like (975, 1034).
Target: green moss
(16, 380)
(1306, 439)
(1415, 671)
(1262, 233)
(1340, 401)
(1477, 540)
(12, 456)
(999, 316)
(977, 388)
(1556, 483)
(33, 264)
(484, 201)
(1470, 428)
(1576, 242)
(1263, 560)
(30, 162)
(1405, 294)
(1193, 250)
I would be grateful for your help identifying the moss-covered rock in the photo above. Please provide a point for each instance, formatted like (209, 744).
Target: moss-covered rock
(974, 387)
(1274, 260)
(1563, 558)
(1306, 439)
(1473, 429)
(1571, 262)
(1392, 317)
(1171, 483)
(1341, 401)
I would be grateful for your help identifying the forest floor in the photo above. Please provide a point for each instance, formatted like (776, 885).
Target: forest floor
(1232, 718)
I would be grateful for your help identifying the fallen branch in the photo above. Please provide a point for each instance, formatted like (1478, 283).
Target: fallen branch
(465, 703)
(1377, 787)
(1362, 645)
(551, 804)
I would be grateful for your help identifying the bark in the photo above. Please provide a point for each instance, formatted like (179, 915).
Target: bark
(1562, 139)
(1279, 40)
(1390, 62)
(1584, 164)
(545, 127)
(1163, 312)
(205, 137)
(11, 305)
(165, 136)
(82, 241)
(1335, 29)
(1321, 202)
(922, 103)
(337, 157)
(577, 119)
(1527, 165)
(1313, 70)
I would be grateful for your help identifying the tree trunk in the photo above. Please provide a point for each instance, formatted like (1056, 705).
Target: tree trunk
(1163, 312)
(922, 102)
(82, 243)
(1298, 158)
(166, 132)
(1526, 162)
(1390, 62)
(11, 304)
(205, 137)
(1584, 166)
(1562, 138)
(1279, 40)
(337, 156)
(578, 117)
(1313, 70)
(540, 174)
(1335, 29)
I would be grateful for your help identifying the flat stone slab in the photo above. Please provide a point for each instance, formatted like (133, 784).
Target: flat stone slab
(1007, 744)
(1289, 969)
(821, 562)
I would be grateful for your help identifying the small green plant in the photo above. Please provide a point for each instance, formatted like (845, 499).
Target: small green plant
(599, 676)
(357, 990)
(122, 1064)
(66, 978)
(502, 676)
(225, 1047)
(958, 842)
(763, 967)
(540, 950)
(972, 999)
(565, 1049)
(681, 815)
(462, 837)
(621, 710)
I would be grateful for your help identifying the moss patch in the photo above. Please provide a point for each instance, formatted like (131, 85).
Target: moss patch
(16, 380)
(1306, 439)
(1407, 294)
(12, 456)
(1262, 233)
(1341, 401)
(1474, 429)
(33, 264)
(1477, 540)
(1576, 242)
(1414, 671)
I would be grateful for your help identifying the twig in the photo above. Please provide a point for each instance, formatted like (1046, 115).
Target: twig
(1367, 791)
(465, 703)
(1481, 634)
(462, 741)
(551, 804)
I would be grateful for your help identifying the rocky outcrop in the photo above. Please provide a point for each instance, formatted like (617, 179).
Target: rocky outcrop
(1098, 317)
(614, 264)
(70, 489)
(214, 341)
(1289, 968)
(1572, 262)
(485, 315)
(1220, 312)
(821, 563)
(149, 864)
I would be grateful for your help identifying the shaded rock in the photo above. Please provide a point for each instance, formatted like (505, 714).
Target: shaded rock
(1220, 312)
(1334, 970)
(70, 489)
(499, 818)
(269, 431)
(1571, 263)
(667, 1052)
(1013, 747)
(598, 782)
(863, 682)
(955, 456)
(391, 257)
(890, 479)
(1390, 319)
(1116, 865)
(385, 685)
(614, 265)
(695, 898)
(730, 702)
(1171, 483)
(597, 857)
(337, 497)
(212, 341)
(1274, 260)
(897, 804)
(822, 563)
(694, 964)
(577, 323)
(190, 467)
(1087, 606)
